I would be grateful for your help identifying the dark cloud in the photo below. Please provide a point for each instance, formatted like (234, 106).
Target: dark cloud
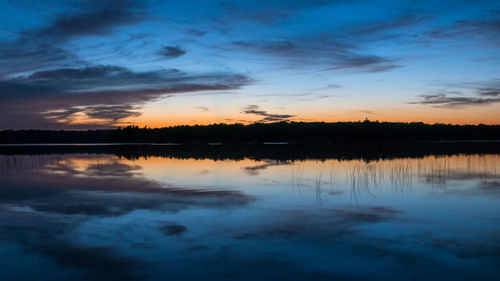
(105, 93)
(470, 94)
(363, 63)
(267, 12)
(267, 117)
(110, 114)
(444, 100)
(421, 27)
(339, 49)
(196, 32)
(73, 81)
(276, 47)
(489, 92)
(44, 47)
(489, 28)
(96, 18)
(342, 47)
(286, 47)
(333, 54)
(171, 51)
(279, 46)
(113, 113)
(385, 29)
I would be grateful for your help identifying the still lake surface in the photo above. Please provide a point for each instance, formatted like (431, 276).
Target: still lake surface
(104, 216)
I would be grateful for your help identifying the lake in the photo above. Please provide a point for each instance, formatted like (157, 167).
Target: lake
(160, 213)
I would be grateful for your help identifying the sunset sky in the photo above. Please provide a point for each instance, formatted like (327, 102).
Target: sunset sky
(101, 64)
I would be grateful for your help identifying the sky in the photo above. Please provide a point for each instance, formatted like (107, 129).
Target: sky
(90, 64)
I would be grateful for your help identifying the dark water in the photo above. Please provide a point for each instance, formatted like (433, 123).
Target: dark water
(105, 216)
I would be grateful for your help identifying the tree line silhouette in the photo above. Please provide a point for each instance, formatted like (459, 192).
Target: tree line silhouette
(290, 132)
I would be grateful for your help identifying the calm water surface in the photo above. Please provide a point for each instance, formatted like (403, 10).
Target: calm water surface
(105, 217)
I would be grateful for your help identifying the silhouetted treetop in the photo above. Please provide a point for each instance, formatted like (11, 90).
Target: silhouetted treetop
(290, 132)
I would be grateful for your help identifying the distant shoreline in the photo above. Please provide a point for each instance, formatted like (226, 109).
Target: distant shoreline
(224, 144)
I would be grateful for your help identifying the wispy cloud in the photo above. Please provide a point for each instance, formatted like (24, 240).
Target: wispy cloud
(363, 63)
(96, 18)
(268, 11)
(267, 117)
(196, 32)
(472, 94)
(203, 108)
(107, 94)
(489, 28)
(45, 47)
(171, 51)
(444, 100)
(365, 111)
(326, 52)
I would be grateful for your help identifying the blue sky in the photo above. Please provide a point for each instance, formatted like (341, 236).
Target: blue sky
(99, 64)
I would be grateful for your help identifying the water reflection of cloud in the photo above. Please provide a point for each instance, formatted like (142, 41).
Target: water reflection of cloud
(99, 263)
(233, 266)
(41, 209)
(170, 229)
(254, 170)
(467, 249)
(42, 234)
(105, 189)
(368, 214)
(331, 223)
(490, 185)
(443, 176)
(111, 211)
(88, 168)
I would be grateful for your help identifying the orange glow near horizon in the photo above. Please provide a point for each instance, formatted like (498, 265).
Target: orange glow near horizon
(471, 116)
(189, 110)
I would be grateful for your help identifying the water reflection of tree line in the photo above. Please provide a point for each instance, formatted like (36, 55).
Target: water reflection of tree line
(340, 151)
